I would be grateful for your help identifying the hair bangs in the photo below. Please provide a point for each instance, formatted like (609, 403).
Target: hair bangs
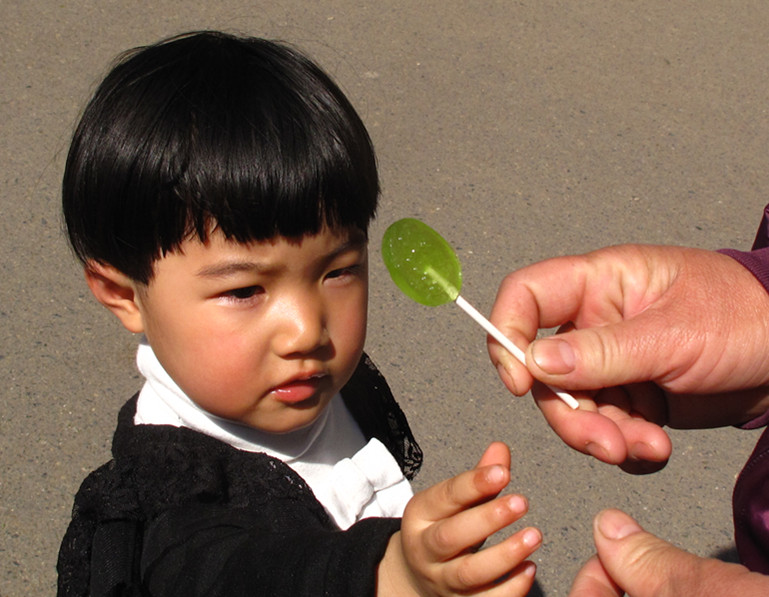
(287, 168)
(211, 131)
(275, 148)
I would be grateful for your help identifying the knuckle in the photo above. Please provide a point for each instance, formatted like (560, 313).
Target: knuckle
(441, 539)
(465, 575)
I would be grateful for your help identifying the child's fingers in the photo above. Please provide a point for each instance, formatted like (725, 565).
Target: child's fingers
(497, 565)
(450, 537)
(519, 582)
(487, 479)
(458, 493)
(496, 453)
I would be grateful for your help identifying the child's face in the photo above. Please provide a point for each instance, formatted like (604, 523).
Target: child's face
(262, 333)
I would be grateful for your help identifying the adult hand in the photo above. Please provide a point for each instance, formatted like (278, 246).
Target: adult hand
(437, 550)
(631, 561)
(653, 335)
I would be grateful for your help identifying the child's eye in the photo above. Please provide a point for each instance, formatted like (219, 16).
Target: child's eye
(344, 272)
(243, 294)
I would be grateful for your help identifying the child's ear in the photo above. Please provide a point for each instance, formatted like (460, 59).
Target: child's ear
(116, 291)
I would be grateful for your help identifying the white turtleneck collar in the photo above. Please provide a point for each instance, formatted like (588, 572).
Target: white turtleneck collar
(351, 478)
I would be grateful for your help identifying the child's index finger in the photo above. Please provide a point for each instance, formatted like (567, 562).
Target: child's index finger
(460, 492)
(496, 453)
(466, 531)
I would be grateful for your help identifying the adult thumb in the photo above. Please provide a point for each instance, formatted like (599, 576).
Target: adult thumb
(640, 563)
(604, 356)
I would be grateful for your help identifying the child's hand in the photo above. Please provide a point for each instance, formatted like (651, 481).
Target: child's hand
(436, 551)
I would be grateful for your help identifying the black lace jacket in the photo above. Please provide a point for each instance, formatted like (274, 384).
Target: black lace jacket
(176, 512)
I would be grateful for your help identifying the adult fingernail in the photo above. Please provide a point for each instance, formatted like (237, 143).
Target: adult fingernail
(505, 368)
(553, 356)
(597, 451)
(614, 524)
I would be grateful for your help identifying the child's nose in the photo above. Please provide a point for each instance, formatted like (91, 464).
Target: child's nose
(302, 329)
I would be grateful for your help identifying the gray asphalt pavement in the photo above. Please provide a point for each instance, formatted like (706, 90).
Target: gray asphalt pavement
(520, 130)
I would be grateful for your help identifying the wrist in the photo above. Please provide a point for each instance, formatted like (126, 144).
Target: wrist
(394, 577)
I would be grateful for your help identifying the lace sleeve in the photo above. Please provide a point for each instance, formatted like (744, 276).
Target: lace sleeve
(369, 399)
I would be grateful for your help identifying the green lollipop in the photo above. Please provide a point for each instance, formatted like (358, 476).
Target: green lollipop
(425, 267)
(421, 263)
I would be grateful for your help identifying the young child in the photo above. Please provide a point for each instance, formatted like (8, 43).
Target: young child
(218, 191)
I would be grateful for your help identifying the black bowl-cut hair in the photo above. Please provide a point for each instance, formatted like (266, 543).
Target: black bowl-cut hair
(209, 130)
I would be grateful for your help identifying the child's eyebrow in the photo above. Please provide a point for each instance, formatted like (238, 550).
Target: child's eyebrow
(230, 268)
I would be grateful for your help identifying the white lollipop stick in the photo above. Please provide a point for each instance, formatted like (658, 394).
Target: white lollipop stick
(511, 348)
(450, 290)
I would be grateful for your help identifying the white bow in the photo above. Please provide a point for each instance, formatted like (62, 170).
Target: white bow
(370, 484)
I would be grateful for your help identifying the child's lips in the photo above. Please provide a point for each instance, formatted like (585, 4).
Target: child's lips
(298, 390)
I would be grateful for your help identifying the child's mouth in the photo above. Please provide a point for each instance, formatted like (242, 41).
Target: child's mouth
(299, 390)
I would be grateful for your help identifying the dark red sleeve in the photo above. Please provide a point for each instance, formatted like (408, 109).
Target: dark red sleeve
(757, 259)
